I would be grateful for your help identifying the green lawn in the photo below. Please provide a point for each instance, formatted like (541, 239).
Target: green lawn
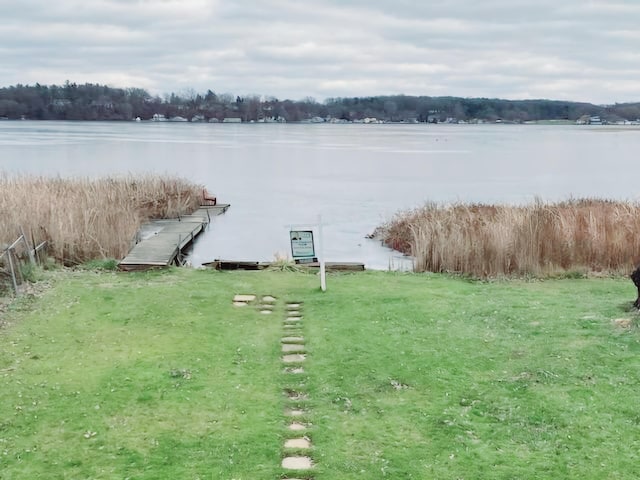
(158, 376)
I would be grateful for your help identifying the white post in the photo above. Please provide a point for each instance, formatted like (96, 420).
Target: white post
(323, 279)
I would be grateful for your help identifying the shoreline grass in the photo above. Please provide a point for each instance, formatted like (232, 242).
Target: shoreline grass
(86, 219)
(157, 375)
(540, 239)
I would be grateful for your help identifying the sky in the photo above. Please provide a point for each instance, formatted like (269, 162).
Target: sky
(579, 50)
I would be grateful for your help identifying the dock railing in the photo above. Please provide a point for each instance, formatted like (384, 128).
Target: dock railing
(17, 260)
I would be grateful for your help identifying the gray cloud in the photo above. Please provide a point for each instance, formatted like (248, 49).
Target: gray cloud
(574, 49)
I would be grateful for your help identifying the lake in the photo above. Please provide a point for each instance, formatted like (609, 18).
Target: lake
(355, 176)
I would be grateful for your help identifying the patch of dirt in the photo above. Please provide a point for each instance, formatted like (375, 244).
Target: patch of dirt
(624, 323)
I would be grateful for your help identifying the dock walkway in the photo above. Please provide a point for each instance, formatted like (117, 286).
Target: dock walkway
(165, 247)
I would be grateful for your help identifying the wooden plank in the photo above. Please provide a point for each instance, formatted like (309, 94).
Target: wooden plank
(249, 265)
(236, 265)
(338, 266)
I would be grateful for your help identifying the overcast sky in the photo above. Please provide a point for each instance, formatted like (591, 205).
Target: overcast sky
(583, 50)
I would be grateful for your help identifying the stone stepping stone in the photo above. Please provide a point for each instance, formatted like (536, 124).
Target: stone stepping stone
(268, 299)
(293, 306)
(240, 304)
(294, 370)
(294, 358)
(267, 306)
(266, 312)
(296, 396)
(292, 339)
(293, 313)
(297, 443)
(292, 320)
(292, 348)
(297, 427)
(244, 298)
(291, 326)
(294, 412)
(297, 463)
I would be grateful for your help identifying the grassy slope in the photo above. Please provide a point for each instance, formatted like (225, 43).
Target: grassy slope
(410, 376)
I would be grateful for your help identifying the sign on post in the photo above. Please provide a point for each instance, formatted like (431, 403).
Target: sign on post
(302, 247)
(304, 251)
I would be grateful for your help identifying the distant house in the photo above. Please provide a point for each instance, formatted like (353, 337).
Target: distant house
(270, 119)
(589, 120)
(232, 120)
(158, 117)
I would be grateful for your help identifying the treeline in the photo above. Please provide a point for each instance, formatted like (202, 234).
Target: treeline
(99, 102)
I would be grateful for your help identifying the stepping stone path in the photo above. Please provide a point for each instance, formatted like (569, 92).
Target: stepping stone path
(267, 304)
(293, 357)
(297, 427)
(297, 443)
(292, 339)
(241, 300)
(294, 412)
(297, 463)
(293, 350)
(293, 370)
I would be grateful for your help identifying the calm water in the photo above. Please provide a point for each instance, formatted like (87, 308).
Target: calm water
(355, 176)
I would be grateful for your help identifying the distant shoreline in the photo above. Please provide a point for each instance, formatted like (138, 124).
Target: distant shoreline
(73, 101)
(609, 127)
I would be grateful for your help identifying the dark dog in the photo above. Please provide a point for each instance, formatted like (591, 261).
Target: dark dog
(635, 276)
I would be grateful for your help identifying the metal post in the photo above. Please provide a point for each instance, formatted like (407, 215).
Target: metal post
(13, 273)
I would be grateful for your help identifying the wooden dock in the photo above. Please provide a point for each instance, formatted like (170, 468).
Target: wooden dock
(166, 246)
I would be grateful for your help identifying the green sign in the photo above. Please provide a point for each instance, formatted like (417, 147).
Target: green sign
(302, 244)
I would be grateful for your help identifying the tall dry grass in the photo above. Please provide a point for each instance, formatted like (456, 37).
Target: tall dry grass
(540, 239)
(85, 219)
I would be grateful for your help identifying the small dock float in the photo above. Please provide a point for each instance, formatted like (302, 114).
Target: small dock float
(166, 245)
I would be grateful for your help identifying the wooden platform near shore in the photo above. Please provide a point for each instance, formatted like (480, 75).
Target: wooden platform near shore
(166, 246)
(247, 265)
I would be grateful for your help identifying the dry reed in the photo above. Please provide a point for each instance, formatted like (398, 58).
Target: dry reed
(84, 219)
(542, 239)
